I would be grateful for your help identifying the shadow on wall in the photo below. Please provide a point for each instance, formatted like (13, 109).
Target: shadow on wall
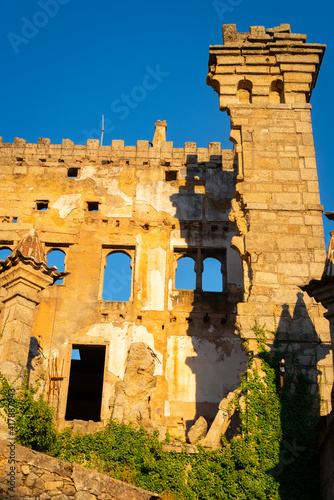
(298, 344)
(205, 363)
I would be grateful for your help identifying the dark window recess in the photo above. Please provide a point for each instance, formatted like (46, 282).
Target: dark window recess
(42, 205)
(171, 175)
(93, 206)
(73, 172)
(86, 383)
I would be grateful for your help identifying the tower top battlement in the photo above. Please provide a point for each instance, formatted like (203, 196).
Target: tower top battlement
(260, 34)
(264, 66)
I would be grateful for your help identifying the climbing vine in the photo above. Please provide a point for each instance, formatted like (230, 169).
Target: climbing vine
(34, 419)
(271, 457)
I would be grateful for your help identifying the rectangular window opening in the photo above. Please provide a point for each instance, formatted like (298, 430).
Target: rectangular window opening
(84, 397)
(93, 206)
(73, 172)
(171, 175)
(42, 204)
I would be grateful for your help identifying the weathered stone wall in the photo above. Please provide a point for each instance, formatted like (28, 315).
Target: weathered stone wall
(155, 221)
(264, 79)
(38, 476)
(256, 209)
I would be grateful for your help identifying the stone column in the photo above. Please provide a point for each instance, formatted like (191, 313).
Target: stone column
(21, 284)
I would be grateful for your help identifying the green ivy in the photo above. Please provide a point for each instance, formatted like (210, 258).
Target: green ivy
(34, 419)
(271, 457)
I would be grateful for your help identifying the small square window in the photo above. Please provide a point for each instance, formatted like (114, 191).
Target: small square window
(171, 175)
(73, 172)
(93, 206)
(42, 205)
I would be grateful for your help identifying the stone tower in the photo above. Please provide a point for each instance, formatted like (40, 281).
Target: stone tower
(264, 80)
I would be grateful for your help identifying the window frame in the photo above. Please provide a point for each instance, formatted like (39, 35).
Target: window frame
(49, 247)
(199, 255)
(64, 386)
(107, 250)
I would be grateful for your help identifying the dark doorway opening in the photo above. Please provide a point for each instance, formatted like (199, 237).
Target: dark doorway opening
(86, 383)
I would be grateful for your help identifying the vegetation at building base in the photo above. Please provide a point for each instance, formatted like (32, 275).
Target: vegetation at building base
(272, 456)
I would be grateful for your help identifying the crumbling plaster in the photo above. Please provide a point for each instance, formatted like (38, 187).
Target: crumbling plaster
(147, 217)
(255, 208)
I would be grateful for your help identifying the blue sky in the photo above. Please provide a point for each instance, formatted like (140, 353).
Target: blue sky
(67, 62)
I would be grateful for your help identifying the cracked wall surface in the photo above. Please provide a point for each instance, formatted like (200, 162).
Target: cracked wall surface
(153, 220)
(255, 209)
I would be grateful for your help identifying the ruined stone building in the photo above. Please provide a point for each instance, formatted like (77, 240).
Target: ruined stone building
(253, 213)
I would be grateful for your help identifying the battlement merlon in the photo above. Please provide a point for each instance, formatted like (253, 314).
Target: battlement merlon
(143, 155)
(259, 62)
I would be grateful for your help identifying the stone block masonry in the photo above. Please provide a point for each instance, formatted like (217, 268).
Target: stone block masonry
(42, 477)
(252, 212)
(156, 205)
(264, 80)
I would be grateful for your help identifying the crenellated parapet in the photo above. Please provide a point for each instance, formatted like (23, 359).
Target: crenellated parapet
(143, 154)
(264, 67)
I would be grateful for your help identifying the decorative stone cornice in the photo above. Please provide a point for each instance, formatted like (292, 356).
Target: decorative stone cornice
(24, 281)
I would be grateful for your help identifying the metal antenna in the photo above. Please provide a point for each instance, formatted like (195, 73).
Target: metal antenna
(102, 130)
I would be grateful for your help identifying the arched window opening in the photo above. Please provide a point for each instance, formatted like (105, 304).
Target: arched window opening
(4, 252)
(244, 92)
(117, 277)
(276, 94)
(57, 258)
(185, 276)
(212, 278)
